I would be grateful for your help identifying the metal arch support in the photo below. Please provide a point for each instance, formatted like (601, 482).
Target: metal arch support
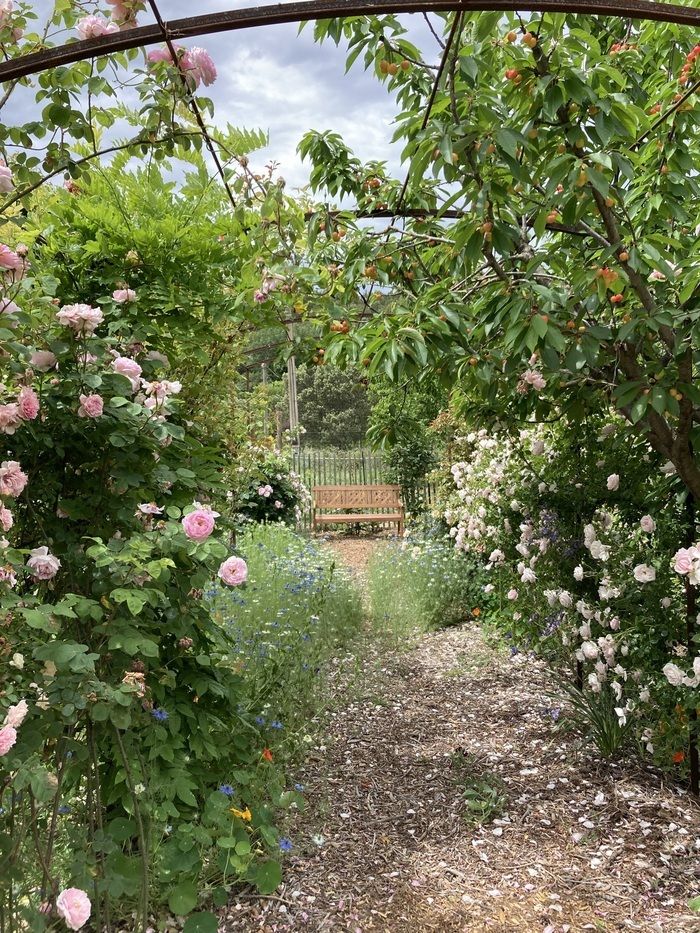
(274, 14)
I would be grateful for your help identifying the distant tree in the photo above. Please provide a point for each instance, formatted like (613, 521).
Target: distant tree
(333, 406)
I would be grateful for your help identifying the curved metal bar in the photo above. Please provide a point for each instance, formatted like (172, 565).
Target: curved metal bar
(274, 14)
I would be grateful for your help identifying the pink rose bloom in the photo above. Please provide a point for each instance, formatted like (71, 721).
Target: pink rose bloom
(163, 55)
(198, 66)
(12, 479)
(91, 406)
(6, 184)
(532, 378)
(199, 524)
(28, 402)
(647, 524)
(6, 520)
(43, 565)
(149, 508)
(129, 368)
(6, 7)
(43, 360)
(81, 318)
(8, 737)
(233, 571)
(7, 575)
(684, 559)
(90, 27)
(15, 714)
(10, 418)
(512, 594)
(9, 259)
(613, 482)
(122, 295)
(73, 906)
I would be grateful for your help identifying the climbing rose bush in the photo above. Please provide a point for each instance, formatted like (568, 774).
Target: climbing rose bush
(117, 697)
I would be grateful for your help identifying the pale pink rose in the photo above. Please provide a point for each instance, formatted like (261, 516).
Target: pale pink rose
(647, 524)
(12, 479)
(6, 520)
(7, 575)
(9, 259)
(6, 184)
(683, 560)
(673, 674)
(81, 318)
(644, 573)
(91, 406)
(534, 378)
(198, 66)
(149, 508)
(90, 27)
(122, 295)
(16, 714)
(10, 418)
(233, 571)
(163, 54)
(9, 308)
(8, 737)
(28, 402)
(43, 360)
(512, 594)
(129, 368)
(43, 565)
(6, 7)
(613, 482)
(198, 525)
(73, 906)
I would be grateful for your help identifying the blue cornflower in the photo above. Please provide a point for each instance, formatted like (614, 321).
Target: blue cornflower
(226, 789)
(159, 714)
(286, 844)
(260, 720)
(299, 788)
(64, 809)
(276, 724)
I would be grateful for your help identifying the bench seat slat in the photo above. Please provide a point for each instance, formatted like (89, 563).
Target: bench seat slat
(358, 517)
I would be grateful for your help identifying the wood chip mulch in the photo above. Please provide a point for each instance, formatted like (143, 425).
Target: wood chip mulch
(572, 843)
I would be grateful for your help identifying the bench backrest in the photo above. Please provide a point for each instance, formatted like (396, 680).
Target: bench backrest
(357, 497)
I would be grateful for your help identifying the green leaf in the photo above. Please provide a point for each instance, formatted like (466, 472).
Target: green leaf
(183, 899)
(201, 923)
(268, 876)
(694, 904)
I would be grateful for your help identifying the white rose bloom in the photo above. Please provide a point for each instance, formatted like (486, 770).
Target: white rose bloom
(590, 650)
(673, 674)
(578, 573)
(643, 573)
(647, 524)
(613, 482)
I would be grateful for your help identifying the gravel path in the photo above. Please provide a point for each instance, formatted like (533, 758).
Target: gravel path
(568, 843)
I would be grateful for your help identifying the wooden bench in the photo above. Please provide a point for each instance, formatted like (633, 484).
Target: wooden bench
(385, 501)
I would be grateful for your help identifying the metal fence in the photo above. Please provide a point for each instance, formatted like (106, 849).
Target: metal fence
(356, 467)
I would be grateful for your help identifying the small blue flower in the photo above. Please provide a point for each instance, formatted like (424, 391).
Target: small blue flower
(226, 789)
(276, 724)
(159, 714)
(286, 844)
(260, 720)
(64, 809)
(299, 788)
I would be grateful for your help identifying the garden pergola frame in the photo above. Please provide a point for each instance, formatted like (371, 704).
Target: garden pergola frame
(274, 14)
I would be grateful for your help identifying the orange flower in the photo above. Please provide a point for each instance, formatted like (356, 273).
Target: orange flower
(267, 754)
(476, 612)
(242, 814)
(678, 757)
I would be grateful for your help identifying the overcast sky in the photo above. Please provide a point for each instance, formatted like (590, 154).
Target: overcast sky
(277, 80)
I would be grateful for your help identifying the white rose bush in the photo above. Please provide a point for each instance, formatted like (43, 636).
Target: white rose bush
(585, 574)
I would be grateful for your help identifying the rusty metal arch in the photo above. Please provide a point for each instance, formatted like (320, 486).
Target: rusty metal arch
(274, 14)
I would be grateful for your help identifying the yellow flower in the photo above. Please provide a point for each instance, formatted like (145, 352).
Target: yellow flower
(242, 814)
